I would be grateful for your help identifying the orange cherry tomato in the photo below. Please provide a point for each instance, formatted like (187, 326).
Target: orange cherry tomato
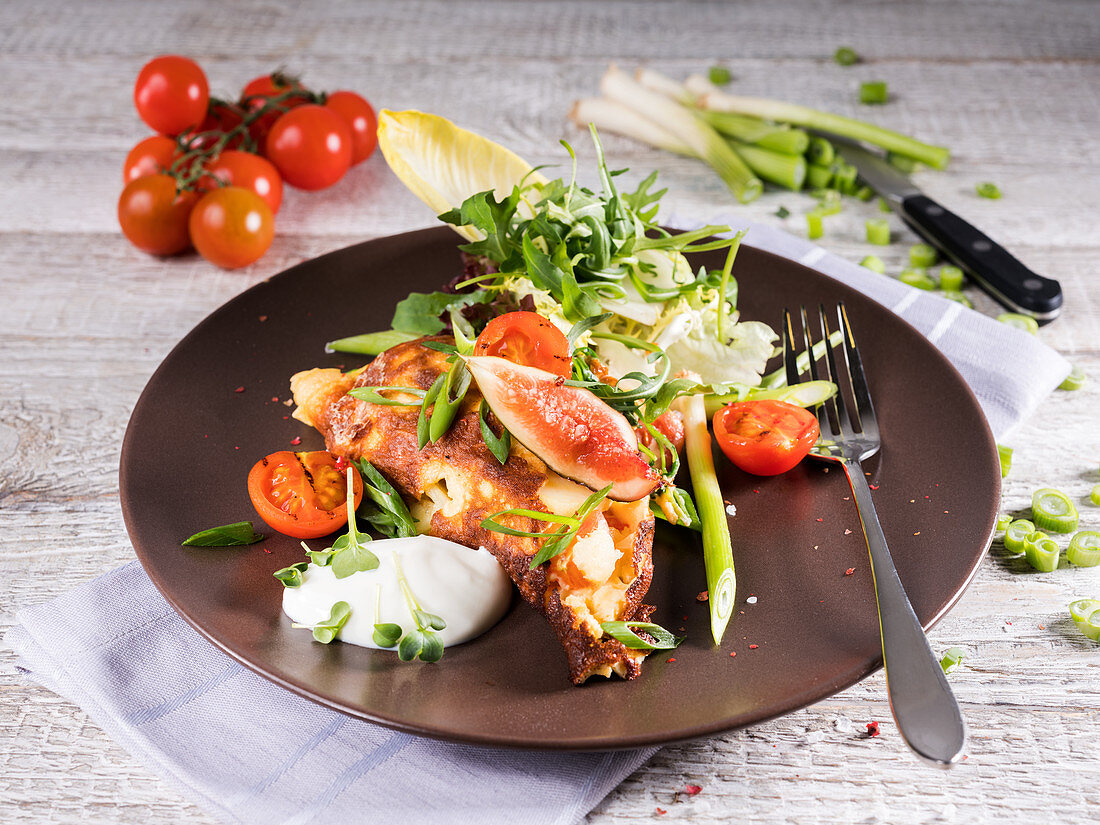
(528, 339)
(765, 438)
(231, 226)
(249, 171)
(152, 156)
(303, 495)
(154, 216)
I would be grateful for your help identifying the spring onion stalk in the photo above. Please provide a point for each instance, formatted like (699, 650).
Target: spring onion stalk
(372, 343)
(1016, 535)
(783, 112)
(1042, 552)
(663, 85)
(1022, 322)
(874, 263)
(988, 190)
(1084, 549)
(1074, 381)
(1052, 510)
(815, 228)
(613, 116)
(916, 276)
(806, 394)
(717, 547)
(1086, 615)
(778, 378)
(817, 176)
(873, 91)
(702, 139)
(788, 171)
(922, 254)
(779, 138)
(951, 278)
(878, 231)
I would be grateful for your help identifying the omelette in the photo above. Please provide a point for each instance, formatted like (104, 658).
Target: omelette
(453, 484)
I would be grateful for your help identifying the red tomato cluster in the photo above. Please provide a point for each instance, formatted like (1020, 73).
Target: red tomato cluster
(212, 177)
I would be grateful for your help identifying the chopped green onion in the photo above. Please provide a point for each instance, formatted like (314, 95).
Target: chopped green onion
(719, 75)
(820, 151)
(1052, 510)
(917, 277)
(814, 225)
(1086, 615)
(952, 658)
(874, 263)
(1016, 535)
(957, 297)
(865, 193)
(1084, 549)
(373, 395)
(951, 278)
(878, 231)
(447, 403)
(498, 446)
(623, 632)
(1005, 455)
(1015, 319)
(1094, 495)
(873, 91)
(717, 546)
(829, 203)
(844, 177)
(818, 177)
(1075, 380)
(1003, 520)
(922, 255)
(373, 343)
(988, 190)
(846, 56)
(884, 206)
(782, 212)
(1042, 552)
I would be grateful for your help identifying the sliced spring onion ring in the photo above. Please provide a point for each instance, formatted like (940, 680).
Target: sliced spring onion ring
(1052, 510)
(1005, 455)
(874, 263)
(873, 91)
(952, 658)
(988, 190)
(1016, 535)
(1003, 520)
(1042, 552)
(917, 277)
(922, 254)
(1075, 380)
(1094, 495)
(815, 228)
(1084, 548)
(624, 632)
(951, 278)
(1023, 322)
(878, 231)
(1086, 615)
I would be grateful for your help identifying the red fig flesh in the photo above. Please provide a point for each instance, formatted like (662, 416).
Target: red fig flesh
(572, 430)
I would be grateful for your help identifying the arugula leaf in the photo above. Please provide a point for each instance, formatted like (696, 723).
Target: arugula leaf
(419, 312)
(484, 212)
(228, 535)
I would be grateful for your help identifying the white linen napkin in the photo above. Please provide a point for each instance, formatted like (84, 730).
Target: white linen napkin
(251, 752)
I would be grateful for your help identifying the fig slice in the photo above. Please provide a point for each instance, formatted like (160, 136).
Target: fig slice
(570, 428)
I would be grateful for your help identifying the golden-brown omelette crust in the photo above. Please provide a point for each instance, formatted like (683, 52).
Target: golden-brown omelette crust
(454, 483)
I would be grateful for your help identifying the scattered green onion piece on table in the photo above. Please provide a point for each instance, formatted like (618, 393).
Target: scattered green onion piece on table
(1094, 495)
(1075, 380)
(951, 277)
(1005, 455)
(1042, 552)
(1084, 548)
(957, 297)
(1022, 322)
(782, 212)
(814, 225)
(717, 546)
(818, 176)
(623, 632)
(830, 203)
(844, 178)
(719, 75)
(1016, 535)
(874, 263)
(846, 56)
(916, 276)
(922, 254)
(884, 206)
(229, 535)
(988, 190)
(1003, 520)
(820, 151)
(952, 658)
(1086, 615)
(878, 231)
(1052, 510)
(373, 343)
(873, 91)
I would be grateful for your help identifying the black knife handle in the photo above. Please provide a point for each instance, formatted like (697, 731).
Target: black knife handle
(992, 266)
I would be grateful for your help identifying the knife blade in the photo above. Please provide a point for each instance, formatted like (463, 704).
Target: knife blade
(989, 265)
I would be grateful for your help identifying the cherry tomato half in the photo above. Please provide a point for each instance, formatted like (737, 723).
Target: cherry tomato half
(248, 171)
(150, 157)
(361, 119)
(258, 92)
(153, 216)
(231, 226)
(310, 146)
(171, 94)
(765, 438)
(303, 495)
(526, 338)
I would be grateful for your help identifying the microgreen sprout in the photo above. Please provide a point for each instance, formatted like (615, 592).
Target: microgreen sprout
(423, 642)
(350, 552)
(326, 630)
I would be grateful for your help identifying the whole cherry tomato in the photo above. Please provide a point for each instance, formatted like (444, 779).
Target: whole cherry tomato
(259, 91)
(361, 119)
(153, 216)
(152, 156)
(526, 338)
(231, 226)
(249, 171)
(765, 437)
(310, 146)
(302, 495)
(171, 94)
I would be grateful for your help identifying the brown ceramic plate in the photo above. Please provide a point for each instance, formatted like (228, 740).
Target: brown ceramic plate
(811, 632)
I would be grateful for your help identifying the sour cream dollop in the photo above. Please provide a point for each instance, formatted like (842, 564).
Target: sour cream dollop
(467, 588)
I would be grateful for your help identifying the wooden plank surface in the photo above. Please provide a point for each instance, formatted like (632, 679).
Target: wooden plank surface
(1012, 87)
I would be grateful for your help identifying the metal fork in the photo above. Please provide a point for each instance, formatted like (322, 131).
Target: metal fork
(921, 700)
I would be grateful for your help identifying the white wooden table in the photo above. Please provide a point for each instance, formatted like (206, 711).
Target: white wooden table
(1013, 88)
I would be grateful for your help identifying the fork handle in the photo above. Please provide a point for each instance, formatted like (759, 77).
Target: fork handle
(921, 700)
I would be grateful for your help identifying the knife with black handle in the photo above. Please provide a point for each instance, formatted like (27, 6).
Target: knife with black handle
(987, 263)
